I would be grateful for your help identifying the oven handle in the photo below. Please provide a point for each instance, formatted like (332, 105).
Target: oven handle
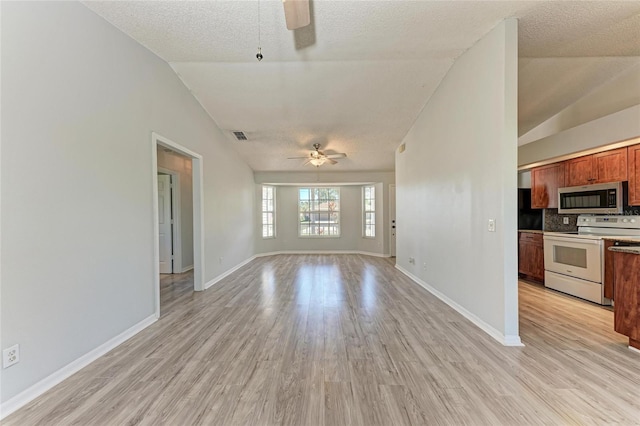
(572, 240)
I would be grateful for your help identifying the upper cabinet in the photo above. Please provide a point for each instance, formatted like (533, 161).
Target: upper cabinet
(606, 166)
(579, 171)
(634, 175)
(610, 166)
(545, 182)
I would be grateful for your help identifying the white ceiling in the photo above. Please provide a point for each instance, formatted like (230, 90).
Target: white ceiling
(357, 78)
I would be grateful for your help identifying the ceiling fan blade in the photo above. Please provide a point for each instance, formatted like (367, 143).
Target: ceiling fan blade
(298, 158)
(330, 161)
(296, 13)
(336, 155)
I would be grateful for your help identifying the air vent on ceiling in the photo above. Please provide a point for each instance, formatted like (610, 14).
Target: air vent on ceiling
(240, 136)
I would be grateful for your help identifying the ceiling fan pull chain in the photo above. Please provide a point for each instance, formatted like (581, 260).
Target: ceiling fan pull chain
(259, 55)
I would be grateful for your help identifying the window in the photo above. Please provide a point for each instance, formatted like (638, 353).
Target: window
(268, 212)
(369, 211)
(319, 211)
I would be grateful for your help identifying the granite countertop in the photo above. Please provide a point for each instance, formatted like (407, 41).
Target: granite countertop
(531, 231)
(630, 239)
(626, 249)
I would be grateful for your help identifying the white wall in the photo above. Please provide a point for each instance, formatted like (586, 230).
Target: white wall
(351, 238)
(524, 179)
(620, 126)
(609, 114)
(459, 171)
(620, 93)
(79, 103)
(183, 167)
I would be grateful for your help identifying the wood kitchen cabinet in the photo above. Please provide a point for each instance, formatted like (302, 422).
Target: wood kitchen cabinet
(531, 255)
(608, 269)
(610, 166)
(579, 171)
(634, 175)
(603, 167)
(627, 296)
(545, 181)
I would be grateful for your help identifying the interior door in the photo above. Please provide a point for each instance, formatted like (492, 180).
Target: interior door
(392, 220)
(164, 221)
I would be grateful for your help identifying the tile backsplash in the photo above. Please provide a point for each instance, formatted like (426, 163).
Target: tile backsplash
(552, 221)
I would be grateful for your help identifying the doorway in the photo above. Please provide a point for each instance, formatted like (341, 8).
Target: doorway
(392, 220)
(197, 216)
(166, 240)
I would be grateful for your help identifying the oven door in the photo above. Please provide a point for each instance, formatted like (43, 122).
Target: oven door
(574, 257)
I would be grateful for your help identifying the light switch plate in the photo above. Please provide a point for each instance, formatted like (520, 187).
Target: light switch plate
(565, 220)
(492, 225)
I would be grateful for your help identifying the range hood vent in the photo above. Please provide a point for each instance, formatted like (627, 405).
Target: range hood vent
(240, 136)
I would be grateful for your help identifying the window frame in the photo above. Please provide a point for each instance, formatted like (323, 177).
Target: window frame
(264, 211)
(372, 204)
(337, 212)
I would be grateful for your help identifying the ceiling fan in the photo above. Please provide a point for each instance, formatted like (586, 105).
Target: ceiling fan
(317, 158)
(296, 13)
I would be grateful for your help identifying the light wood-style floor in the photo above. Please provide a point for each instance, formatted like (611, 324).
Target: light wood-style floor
(347, 339)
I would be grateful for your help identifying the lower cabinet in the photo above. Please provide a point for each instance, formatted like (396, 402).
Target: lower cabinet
(531, 255)
(608, 269)
(626, 311)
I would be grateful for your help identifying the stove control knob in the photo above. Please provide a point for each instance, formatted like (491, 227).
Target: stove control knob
(625, 220)
(633, 221)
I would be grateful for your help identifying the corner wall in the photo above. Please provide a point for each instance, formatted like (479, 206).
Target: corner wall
(458, 171)
(80, 101)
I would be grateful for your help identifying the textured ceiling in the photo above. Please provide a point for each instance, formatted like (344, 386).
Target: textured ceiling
(357, 78)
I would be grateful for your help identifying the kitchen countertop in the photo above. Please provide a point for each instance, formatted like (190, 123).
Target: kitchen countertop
(531, 231)
(626, 249)
(631, 239)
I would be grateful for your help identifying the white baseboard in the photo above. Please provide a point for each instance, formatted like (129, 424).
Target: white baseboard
(227, 273)
(187, 269)
(632, 349)
(364, 253)
(34, 391)
(506, 340)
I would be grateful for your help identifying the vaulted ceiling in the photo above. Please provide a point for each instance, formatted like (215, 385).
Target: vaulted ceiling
(357, 78)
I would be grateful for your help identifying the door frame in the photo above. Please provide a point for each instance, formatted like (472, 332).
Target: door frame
(198, 213)
(176, 228)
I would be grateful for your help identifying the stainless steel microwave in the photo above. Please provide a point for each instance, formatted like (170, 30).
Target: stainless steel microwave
(602, 198)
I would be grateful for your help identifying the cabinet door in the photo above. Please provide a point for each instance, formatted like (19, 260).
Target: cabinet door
(545, 181)
(579, 171)
(531, 256)
(634, 175)
(610, 166)
(608, 269)
(525, 253)
(627, 294)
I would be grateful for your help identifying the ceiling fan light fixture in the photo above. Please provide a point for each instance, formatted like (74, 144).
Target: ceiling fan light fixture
(318, 161)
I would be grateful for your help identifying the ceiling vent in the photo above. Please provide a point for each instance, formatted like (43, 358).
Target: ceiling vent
(240, 136)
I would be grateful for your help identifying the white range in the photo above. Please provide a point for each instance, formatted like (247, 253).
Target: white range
(574, 262)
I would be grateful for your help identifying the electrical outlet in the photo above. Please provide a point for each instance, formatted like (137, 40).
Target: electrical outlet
(10, 356)
(492, 225)
(424, 266)
(565, 220)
